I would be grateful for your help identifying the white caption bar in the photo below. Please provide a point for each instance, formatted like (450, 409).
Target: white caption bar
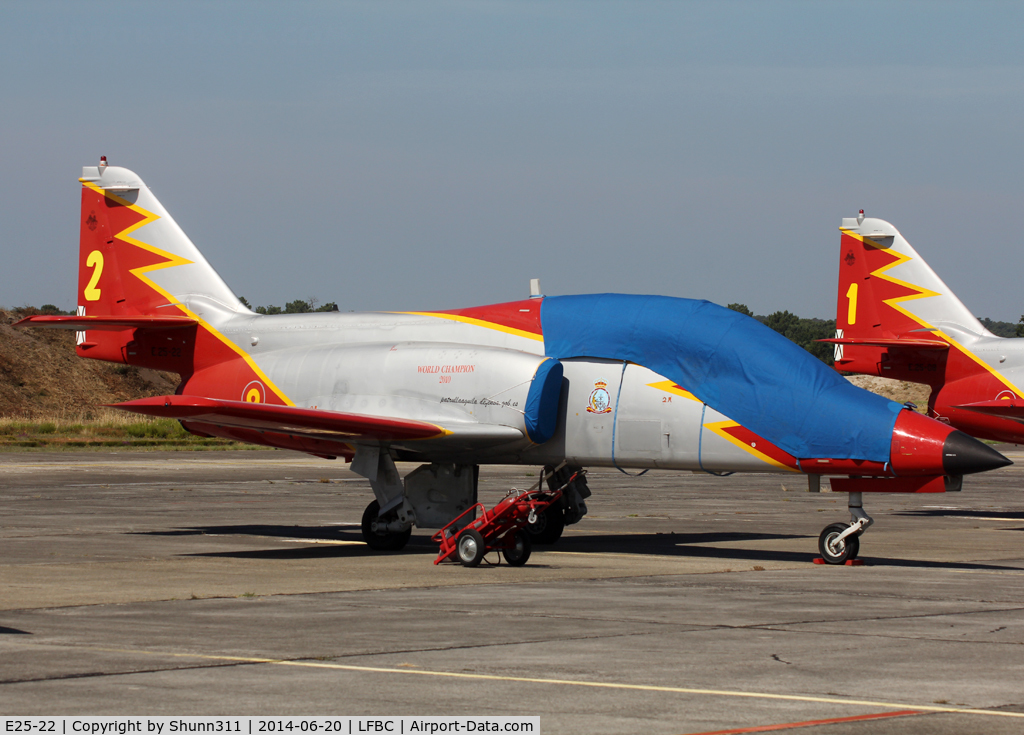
(123, 725)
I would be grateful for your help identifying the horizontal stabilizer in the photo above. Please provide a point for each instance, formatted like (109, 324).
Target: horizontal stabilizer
(106, 323)
(910, 344)
(1006, 409)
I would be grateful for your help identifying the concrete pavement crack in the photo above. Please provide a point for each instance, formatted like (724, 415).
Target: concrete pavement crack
(334, 657)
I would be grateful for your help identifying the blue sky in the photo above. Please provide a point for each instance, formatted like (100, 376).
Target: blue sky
(389, 155)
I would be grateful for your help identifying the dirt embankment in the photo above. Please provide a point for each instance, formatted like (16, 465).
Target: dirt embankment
(41, 376)
(895, 390)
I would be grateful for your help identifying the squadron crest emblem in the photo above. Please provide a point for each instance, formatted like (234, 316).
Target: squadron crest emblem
(600, 400)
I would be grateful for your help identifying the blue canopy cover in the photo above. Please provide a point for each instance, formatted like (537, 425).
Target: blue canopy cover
(734, 364)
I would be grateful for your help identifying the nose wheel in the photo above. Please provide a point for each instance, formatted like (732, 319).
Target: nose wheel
(836, 550)
(840, 542)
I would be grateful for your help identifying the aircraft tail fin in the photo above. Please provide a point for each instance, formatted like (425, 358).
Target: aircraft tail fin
(137, 267)
(892, 308)
(146, 295)
(134, 259)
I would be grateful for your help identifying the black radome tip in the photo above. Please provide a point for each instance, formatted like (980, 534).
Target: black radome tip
(965, 455)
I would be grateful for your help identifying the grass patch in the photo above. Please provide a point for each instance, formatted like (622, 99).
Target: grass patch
(103, 428)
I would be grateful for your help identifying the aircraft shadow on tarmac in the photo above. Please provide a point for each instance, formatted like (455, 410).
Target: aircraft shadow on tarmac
(1001, 515)
(683, 545)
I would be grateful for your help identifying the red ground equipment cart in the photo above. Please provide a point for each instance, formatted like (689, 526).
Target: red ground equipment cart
(502, 528)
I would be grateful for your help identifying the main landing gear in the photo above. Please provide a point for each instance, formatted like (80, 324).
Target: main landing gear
(569, 509)
(427, 497)
(433, 494)
(548, 527)
(384, 532)
(840, 542)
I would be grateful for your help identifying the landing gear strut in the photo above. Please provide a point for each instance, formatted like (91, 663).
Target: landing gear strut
(428, 497)
(840, 542)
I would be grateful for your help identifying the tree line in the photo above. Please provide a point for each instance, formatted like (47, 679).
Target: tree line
(292, 307)
(298, 306)
(1004, 329)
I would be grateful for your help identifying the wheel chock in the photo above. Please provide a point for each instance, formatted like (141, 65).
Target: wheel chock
(847, 563)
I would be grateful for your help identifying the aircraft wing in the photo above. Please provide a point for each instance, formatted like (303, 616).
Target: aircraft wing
(314, 423)
(915, 344)
(1005, 409)
(105, 323)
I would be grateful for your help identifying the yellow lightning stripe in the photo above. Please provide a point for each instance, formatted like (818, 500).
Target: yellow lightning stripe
(477, 323)
(174, 260)
(719, 428)
(669, 387)
(920, 294)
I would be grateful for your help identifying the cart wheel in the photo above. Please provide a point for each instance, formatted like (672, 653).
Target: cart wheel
(519, 553)
(471, 548)
(549, 526)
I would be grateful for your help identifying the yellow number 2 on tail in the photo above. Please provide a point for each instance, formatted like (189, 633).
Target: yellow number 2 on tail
(94, 261)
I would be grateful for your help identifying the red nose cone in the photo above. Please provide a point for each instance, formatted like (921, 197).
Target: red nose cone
(923, 446)
(917, 445)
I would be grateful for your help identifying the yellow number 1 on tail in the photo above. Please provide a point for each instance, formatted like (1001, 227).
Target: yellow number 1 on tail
(94, 261)
(851, 311)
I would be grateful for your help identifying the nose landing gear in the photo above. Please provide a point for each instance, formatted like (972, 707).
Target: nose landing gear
(840, 542)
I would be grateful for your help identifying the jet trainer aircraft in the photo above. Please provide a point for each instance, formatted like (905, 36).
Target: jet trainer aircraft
(896, 318)
(633, 382)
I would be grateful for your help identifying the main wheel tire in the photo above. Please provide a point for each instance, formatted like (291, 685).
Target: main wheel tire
(470, 548)
(382, 540)
(519, 554)
(847, 548)
(549, 526)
